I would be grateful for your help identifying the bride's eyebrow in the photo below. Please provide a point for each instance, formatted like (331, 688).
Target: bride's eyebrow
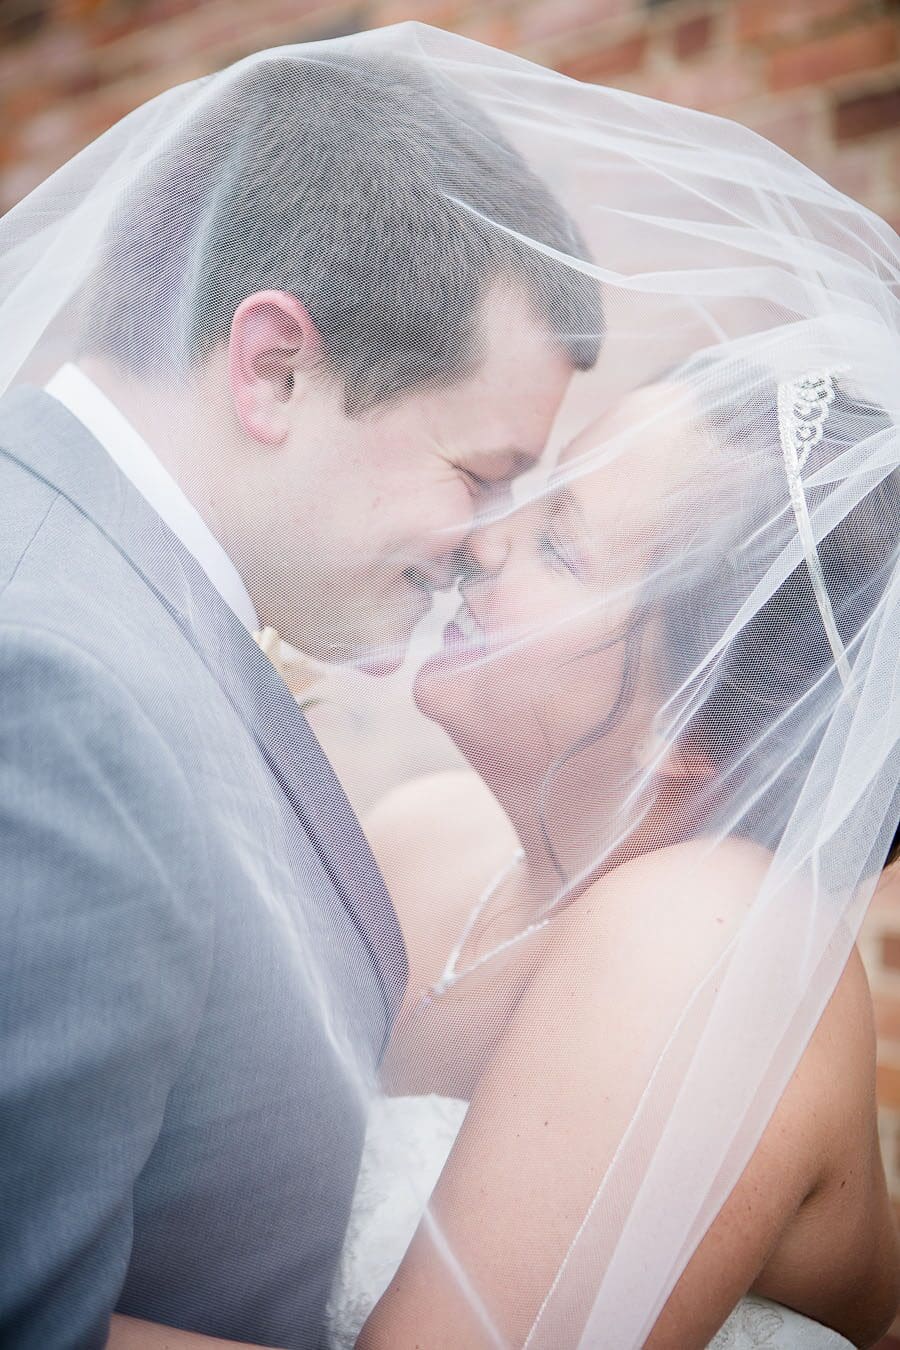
(562, 500)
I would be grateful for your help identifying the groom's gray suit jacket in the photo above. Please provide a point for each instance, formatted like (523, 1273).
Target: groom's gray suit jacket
(192, 933)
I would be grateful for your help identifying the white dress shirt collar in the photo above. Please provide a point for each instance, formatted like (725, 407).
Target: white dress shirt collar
(77, 392)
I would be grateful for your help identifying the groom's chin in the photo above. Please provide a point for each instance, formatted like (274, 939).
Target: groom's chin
(377, 656)
(385, 657)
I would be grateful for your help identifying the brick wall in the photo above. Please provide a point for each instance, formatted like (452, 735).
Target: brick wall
(819, 77)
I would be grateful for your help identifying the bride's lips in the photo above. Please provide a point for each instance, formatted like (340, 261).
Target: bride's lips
(473, 638)
(465, 646)
(463, 639)
(455, 640)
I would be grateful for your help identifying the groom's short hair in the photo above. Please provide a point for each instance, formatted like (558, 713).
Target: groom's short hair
(374, 191)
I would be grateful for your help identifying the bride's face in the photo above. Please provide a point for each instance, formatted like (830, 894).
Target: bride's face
(554, 638)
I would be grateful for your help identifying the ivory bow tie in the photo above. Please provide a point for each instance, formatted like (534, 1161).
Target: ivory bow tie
(297, 671)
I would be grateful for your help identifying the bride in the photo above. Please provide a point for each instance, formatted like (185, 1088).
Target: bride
(564, 901)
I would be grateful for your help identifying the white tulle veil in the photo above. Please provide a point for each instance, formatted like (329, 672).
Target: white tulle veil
(729, 322)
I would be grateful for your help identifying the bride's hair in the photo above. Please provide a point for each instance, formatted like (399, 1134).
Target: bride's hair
(761, 692)
(311, 175)
(771, 678)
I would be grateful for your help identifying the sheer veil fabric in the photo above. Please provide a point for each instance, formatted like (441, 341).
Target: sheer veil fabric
(673, 633)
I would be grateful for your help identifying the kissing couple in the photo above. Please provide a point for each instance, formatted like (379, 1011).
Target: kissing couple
(566, 1041)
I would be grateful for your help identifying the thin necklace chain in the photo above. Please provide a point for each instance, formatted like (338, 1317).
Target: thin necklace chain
(451, 974)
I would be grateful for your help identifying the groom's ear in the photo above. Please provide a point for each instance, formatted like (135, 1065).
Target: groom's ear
(272, 339)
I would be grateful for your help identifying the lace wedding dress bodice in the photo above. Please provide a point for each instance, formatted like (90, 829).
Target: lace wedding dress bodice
(407, 1143)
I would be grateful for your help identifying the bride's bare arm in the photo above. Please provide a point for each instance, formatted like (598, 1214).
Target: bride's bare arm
(551, 1109)
(133, 1333)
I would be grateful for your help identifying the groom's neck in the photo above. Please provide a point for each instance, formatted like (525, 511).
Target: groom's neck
(193, 450)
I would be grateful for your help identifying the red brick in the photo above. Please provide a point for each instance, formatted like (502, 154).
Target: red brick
(59, 51)
(110, 27)
(867, 114)
(692, 36)
(865, 47)
(168, 8)
(20, 105)
(496, 30)
(606, 60)
(346, 16)
(893, 181)
(888, 1085)
(709, 86)
(35, 62)
(102, 112)
(542, 20)
(48, 132)
(772, 19)
(796, 127)
(223, 27)
(22, 24)
(84, 80)
(440, 13)
(78, 10)
(713, 58)
(20, 179)
(856, 172)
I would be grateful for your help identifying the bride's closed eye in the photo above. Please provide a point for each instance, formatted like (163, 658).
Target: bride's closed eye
(557, 553)
(555, 542)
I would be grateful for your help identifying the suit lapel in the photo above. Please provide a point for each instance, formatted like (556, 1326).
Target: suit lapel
(41, 435)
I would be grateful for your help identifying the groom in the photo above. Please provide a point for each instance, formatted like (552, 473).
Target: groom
(305, 365)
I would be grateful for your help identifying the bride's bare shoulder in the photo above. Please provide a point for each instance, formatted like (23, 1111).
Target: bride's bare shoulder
(689, 898)
(709, 878)
(669, 915)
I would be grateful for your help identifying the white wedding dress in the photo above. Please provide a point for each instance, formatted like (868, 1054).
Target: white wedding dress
(407, 1142)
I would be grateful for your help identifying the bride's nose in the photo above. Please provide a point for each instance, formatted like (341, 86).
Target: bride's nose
(487, 547)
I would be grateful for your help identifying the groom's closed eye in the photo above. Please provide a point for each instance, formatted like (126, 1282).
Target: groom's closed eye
(491, 476)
